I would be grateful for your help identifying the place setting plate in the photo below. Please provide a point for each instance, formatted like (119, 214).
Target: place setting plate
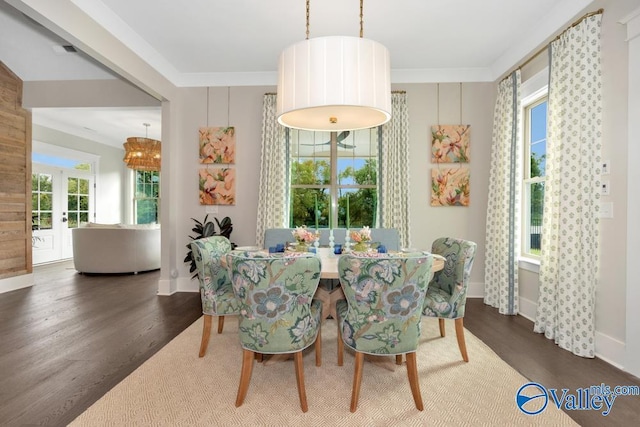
(248, 249)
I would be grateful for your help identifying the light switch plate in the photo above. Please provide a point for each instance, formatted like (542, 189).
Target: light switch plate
(606, 167)
(606, 210)
(606, 188)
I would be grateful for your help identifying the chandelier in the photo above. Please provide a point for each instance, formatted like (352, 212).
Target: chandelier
(142, 154)
(334, 83)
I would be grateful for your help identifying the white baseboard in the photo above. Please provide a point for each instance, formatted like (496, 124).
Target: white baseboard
(528, 308)
(475, 290)
(165, 287)
(17, 282)
(608, 349)
(186, 284)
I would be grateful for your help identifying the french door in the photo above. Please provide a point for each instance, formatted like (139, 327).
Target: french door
(61, 199)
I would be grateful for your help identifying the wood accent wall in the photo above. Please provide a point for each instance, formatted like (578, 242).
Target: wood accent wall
(15, 178)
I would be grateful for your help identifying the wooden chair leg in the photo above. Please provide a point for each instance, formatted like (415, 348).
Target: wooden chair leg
(414, 381)
(259, 357)
(245, 376)
(441, 325)
(460, 337)
(398, 359)
(300, 380)
(220, 324)
(206, 333)
(357, 380)
(340, 347)
(319, 347)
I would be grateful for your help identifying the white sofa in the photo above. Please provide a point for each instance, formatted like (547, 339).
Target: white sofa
(116, 248)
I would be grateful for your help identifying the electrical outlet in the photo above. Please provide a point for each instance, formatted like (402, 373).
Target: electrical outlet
(606, 190)
(606, 210)
(211, 209)
(606, 167)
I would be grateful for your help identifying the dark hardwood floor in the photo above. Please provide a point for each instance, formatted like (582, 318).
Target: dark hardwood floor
(70, 338)
(540, 360)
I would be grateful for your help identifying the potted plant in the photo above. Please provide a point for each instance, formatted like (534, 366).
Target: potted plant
(207, 228)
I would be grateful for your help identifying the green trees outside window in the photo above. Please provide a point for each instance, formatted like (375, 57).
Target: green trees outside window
(147, 194)
(41, 201)
(77, 201)
(330, 166)
(534, 179)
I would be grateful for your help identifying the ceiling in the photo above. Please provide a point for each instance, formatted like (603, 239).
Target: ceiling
(229, 43)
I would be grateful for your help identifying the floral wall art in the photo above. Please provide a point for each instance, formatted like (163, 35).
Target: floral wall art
(217, 144)
(450, 186)
(450, 143)
(217, 186)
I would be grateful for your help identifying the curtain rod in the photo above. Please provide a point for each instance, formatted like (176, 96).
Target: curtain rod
(546, 46)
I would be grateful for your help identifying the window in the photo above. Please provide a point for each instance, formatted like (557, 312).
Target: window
(78, 195)
(147, 195)
(535, 152)
(333, 166)
(41, 201)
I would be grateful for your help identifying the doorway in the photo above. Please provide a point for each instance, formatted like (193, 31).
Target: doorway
(62, 198)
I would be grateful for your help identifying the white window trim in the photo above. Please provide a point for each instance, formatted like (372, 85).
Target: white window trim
(531, 91)
(132, 214)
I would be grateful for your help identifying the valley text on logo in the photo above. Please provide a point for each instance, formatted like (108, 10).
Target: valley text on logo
(533, 398)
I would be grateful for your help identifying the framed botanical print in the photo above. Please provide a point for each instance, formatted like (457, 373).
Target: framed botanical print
(450, 186)
(217, 186)
(217, 145)
(450, 143)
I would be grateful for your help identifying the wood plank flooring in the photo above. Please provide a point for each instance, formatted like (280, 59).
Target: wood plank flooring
(70, 338)
(540, 360)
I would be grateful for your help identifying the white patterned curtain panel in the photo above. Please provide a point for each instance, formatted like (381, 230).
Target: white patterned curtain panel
(503, 208)
(570, 229)
(393, 179)
(274, 177)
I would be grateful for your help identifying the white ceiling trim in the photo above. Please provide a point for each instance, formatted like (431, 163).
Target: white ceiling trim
(557, 18)
(112, 23)
(554, 20)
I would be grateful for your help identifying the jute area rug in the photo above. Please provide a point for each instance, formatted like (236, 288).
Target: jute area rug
(176, 388)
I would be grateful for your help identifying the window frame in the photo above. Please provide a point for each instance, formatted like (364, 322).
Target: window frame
(335, 189)
(136, 198)
(535, 99)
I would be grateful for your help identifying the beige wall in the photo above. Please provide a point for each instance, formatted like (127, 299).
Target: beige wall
(427, 222)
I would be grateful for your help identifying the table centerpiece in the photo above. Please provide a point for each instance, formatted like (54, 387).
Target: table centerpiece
(304, 237)
(361, 238)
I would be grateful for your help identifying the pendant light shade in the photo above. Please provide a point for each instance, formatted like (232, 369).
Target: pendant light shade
(333, 84)
(142, 154)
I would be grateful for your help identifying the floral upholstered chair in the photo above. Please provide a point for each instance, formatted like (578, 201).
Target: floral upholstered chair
(447, 292)
(277, 311)
(382, 311)
(215, 288)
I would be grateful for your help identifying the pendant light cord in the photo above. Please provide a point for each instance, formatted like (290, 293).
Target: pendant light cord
(361, 21)
(307, 20)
